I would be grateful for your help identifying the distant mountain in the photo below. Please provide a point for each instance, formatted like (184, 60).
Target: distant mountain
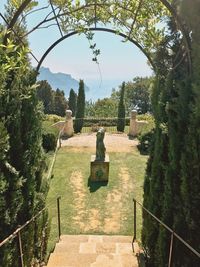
(59, 80)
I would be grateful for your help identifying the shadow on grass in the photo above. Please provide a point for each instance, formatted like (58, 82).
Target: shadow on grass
(94, 186)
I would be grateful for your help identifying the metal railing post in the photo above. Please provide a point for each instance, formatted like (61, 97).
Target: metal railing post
(134, 237)
(20, 249)
(171, 249)
(58, 210)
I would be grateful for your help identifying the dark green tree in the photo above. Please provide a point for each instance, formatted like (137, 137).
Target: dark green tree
(10, 199)
(45, 94)
(137, 95)
(23, 189)
(102, 108)
(121, 110)
(171, 188)
(80, 111)
(60, 103)
(72, 102)
(190, 161)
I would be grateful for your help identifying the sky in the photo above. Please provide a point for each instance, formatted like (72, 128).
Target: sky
(118, 61)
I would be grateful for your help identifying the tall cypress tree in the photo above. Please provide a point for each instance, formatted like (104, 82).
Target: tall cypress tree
(190, 162)
(60, 103)
(121, 110)
(72, 102)
(23, 187)
(80, 108)
(173, 193)
(45, 94)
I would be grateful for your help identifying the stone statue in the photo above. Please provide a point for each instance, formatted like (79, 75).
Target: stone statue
(99, 164)
(100, 147)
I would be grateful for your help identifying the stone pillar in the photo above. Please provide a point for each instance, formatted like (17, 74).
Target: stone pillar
(68, 129)
(133, 129)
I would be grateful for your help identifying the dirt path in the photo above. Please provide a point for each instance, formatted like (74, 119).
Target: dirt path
(113, 142)
(79, 192)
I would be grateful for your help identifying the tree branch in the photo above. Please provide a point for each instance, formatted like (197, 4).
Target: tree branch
(61, 15)
(135, 17)
(34, 11)
(15, 18)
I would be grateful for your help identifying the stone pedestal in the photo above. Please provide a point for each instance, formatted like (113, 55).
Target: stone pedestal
(99, 170)
(68, 130)
(66, 126)
(133, 129)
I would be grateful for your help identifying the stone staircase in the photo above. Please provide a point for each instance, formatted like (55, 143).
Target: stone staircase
(94, 251)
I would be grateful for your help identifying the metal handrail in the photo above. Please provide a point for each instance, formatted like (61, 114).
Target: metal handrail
(17, 232)
(14, 234)
(173, 234)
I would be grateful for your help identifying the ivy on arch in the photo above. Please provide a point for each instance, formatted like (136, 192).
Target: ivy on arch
(139, 20)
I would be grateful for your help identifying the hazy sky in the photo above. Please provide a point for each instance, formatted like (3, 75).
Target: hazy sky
(118, 61)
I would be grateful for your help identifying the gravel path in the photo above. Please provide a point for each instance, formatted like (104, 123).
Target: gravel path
(113, 142)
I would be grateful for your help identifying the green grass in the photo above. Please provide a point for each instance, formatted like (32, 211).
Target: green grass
(96, 196)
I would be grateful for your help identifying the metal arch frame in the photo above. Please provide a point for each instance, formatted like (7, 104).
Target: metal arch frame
(94, 29)
(164, 2)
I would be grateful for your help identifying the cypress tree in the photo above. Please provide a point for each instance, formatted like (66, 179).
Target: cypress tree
(23, 189)
(80, 108)
(45, 94)
(72, 102)
(172, 183)
(121, 110)
(10, 199)
(190, 161)
(60, 103)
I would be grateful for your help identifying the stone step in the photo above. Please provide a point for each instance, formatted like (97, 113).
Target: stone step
(94, 248)
(94, 251)
(91, 260)
(96, 238)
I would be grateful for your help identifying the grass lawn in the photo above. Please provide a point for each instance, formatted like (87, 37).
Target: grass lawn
(95, 208)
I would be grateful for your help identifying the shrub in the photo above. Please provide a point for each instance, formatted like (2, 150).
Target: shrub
(49, 141)
(53, 118)
(145, 141)
(145, 117)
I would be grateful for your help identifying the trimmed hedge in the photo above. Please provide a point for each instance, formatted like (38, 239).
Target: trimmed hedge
(89, 122)
(49, 135)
